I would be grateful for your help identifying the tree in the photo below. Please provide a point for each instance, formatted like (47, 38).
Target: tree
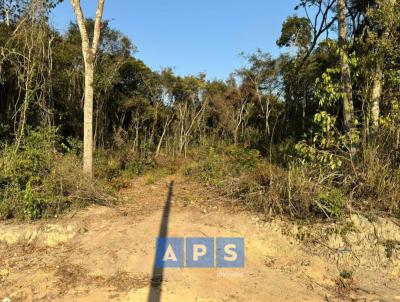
(385, 7)
(12, 10)
(346, 85)
(26, 66)
(296, 32)
(89, 54)
(321, 23)
(262, 82)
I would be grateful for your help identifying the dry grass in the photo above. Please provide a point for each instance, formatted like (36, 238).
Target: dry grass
(369, 183)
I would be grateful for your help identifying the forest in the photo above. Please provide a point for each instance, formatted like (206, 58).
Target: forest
(313, 133)
(278, 181)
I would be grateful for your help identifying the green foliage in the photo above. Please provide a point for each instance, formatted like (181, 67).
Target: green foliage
(32, 206)
(323, 150)
(10, 203)
(391, 121)
(37, 181)
(296, 31)
(139, 166)
(330, 204)
(31, 160)
(73, 145)
(327, 147)
(217, 163)
(279, 141)
(245, 158)
(348, 227)
(212, 168)
(327, 91)
(150, 180)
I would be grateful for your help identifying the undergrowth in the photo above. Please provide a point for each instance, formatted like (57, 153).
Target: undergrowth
(40, 179)
(298, 190)
(120, 166)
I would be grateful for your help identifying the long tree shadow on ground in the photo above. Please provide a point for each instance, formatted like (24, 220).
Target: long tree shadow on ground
(158, 273)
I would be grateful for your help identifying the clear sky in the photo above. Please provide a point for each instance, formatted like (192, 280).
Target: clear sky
(192, 36)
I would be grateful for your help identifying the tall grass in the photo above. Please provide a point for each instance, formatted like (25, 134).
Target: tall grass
(307, 191)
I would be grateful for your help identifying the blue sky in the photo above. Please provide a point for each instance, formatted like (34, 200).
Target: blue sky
(192, 36)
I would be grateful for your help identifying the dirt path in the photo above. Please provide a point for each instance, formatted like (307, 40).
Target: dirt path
(107, 254)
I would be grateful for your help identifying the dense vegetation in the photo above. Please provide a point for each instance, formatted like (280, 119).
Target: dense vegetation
(314, 132)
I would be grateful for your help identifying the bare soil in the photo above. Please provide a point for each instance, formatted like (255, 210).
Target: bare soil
(107, 254)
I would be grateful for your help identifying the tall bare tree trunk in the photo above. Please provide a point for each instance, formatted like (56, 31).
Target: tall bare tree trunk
(167, 123)
(88, 121)
(376, 94)
(89, 53)
(347, 89)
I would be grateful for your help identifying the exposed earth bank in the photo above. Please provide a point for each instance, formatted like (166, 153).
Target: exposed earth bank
(107, 253)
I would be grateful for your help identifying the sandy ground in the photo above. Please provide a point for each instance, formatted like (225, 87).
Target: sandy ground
(107, 254)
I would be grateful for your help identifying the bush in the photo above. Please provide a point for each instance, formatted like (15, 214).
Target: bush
(122, 162)
(259, 186)
(271, 189)
(366, 170)
(30, 160)
(216, 164)
(329, 205)
(38, 181)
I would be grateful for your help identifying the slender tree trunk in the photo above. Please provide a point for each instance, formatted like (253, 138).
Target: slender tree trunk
(88, 121)
(347, 89)
(163, 135)
(89, 53)
(376, 94)
(154, 125)
(377, 84)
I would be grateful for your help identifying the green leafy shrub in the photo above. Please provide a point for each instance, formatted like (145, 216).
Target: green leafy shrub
(243, 158)
(38, 181)
(139, 166)
(31, 160)
(216, 164)
(33, 207)
(330, 204)
(73, 145)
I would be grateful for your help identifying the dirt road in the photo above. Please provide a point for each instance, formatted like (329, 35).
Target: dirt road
(107, 254)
